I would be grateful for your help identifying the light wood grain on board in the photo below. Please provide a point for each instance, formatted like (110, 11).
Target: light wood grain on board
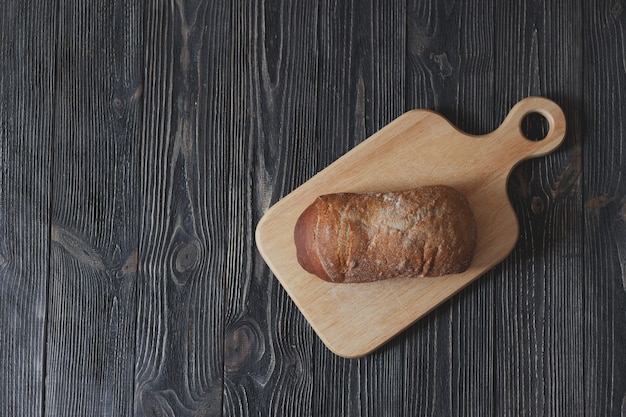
(268, 344)
(27, 72)
(362, 67)
(451, 71)
(539, 334)
(183, 180)
(602, 163)
(418, 148)
(93, 235)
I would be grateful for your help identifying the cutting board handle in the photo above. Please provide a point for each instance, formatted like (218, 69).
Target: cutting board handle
(513, 123)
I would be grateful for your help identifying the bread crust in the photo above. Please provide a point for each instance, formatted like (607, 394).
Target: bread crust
(349, 237)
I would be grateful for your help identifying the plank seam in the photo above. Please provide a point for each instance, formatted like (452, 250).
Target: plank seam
(141, 110)
(139, 199)
(51, 147)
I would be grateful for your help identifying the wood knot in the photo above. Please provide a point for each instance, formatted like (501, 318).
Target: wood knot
(186, 257)
(80, 249)
(130, 266)
(151, 404)
(119, 105)
(243, 345)
(617, 9)
(536, 205)
(568, 179)
(597, 202)
(445, 68)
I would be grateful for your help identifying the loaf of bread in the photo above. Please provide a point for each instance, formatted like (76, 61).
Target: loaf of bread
(348, 237)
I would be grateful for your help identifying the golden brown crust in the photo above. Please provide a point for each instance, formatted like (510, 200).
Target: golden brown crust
(305, 242)
(348, 237)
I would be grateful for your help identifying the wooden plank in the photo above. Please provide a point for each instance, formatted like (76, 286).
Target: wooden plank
(471, 339)
(381, 32)
(26, 112)
(539, 332)
(604, 190)
(185, 190)
(268, 365)
(91, 323)
(361, 84)
(450, 70)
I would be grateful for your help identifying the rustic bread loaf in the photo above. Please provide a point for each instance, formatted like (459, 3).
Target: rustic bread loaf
(348, 237)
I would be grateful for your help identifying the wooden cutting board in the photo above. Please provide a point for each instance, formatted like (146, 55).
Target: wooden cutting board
(418, 148)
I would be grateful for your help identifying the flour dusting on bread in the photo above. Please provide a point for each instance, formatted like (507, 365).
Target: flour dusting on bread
(350, 237)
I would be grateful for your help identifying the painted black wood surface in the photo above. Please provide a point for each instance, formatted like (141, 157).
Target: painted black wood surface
(141, 142)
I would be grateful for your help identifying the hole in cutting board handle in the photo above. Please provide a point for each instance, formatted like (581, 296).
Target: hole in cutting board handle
(533, 118)
(535, 126)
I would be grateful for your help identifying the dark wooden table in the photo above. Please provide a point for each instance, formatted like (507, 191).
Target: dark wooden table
(141, 142)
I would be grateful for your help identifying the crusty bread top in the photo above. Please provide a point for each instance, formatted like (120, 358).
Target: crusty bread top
(348, 237)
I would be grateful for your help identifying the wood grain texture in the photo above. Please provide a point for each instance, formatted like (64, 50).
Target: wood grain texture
(268, 366)
(473, 317)
(539, 323)
(340, 125)
(604, 190)
(451, 71)
(360, 83)
(155, 134)
(93, 235)
(184, 185)
(26, 124)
